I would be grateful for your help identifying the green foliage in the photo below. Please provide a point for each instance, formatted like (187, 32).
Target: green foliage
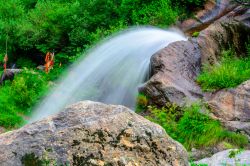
(9, 120)
(167, 117)
(195, 34)
(24, 62)
(18, 97)
(234, 153)
(31, 159)
(230, 72)
(192, 128)
(70, 26)
(189, 3)
(141, 103)
(193, 164)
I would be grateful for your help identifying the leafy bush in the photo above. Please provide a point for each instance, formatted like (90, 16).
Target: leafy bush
(192, 128)
(195, 34)
(9, 120)
(18, 97)
(68, 26)
(24, 62)
(167, 117)
(141, 103)
(228, 73)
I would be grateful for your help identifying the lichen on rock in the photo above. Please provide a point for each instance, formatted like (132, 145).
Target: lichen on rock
(90, 133)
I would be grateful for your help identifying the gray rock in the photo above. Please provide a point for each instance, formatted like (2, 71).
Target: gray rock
(91, 133)
(238, 126)
(232, 107)
(222, 158)
(232, 104)
(220, 36)
(213, 10)
(174, 70)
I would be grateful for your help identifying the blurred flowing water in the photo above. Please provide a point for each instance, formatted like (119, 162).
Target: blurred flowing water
(110, 72)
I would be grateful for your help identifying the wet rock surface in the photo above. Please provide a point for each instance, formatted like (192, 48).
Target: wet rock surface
(174, 70)
(213, 10)
(90, 133)
(220, 36)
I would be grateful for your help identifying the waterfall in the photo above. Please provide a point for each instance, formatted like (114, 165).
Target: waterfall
(110, 72)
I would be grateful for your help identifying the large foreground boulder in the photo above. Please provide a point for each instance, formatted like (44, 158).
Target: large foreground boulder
(90, 133)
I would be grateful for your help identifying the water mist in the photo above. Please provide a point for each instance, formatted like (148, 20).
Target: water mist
(110, 72)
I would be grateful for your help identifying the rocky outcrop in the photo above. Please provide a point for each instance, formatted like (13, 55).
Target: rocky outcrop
(90, 133)
(232, 104)
(174, 69)
(224, 158)
(232, 107)
(220, 36)
(213, 10)
(224, 24)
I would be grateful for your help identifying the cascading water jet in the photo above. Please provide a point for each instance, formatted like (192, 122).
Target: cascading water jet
(111, 72)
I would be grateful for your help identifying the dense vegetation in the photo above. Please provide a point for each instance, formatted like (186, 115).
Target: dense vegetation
(18, 97)
(192, 128)
(231, 71)
(69, 27)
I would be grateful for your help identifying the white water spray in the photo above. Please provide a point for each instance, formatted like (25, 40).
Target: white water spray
(111, 72)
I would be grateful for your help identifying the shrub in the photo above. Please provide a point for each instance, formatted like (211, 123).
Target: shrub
(167, 117)
(18, 97)
(25, 62)
(9, 120)
(141, 103)
(68, 26)
(192, 128)
(228, 73)
(195, 34)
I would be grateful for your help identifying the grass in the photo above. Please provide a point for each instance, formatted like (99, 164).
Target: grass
(192, 128)
(228, 73)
